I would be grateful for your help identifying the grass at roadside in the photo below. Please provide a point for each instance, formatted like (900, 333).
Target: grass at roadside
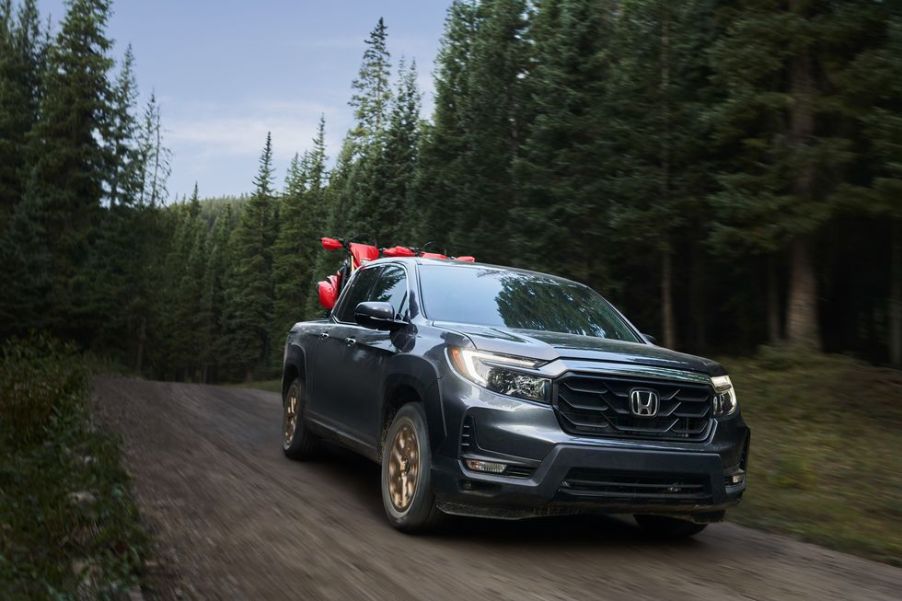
(267, 385)
(826, 453)
(68, 525)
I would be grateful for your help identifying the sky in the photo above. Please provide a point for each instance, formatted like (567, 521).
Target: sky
(225, 72)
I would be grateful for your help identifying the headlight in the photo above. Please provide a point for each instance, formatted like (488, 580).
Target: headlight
(500, 373)
(725, 402)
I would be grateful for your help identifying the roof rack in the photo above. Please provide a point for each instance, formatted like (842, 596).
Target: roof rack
(359, 254)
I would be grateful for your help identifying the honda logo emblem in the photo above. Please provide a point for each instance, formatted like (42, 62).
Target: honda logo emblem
(644, 402)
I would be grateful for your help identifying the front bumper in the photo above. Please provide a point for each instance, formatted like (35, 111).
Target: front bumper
(554, 473)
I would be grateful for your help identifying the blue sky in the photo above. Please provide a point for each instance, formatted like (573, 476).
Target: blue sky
(228, 71)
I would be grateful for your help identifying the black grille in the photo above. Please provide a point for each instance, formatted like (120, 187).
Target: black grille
(593, 405)
(519, 471)
(627, 487)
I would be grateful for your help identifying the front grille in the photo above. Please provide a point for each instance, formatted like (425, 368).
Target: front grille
(629, 487)
(599, 405)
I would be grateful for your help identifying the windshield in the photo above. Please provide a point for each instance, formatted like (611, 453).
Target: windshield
(509, 299)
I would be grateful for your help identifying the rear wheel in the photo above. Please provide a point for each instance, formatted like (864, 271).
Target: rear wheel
(406, 468)
(666, 527)
(297, 441)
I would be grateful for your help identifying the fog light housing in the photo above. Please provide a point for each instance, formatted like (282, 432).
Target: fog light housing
(736, 478)
(485, 466)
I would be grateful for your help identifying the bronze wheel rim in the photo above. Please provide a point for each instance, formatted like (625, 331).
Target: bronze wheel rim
(403, 468)
(290, 416)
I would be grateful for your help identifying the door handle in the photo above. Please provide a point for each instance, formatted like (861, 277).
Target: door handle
(350, 341)
(324, 335)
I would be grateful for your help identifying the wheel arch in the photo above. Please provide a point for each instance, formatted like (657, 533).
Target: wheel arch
(413, 381)
(294, 366)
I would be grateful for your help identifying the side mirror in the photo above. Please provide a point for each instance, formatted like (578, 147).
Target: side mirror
(650, 339)
(379, 316)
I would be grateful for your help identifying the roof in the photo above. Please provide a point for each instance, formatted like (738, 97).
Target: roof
(462, 264)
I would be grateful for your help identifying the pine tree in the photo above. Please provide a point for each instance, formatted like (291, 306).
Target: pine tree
(871, 93)
(125, 152)
(68, 160)
(330, 219)
(317, 174)
(292, 248)
(196, 314)
(560, 166)
(22, 54)
(393, 211)
(364, 143)
(252, 287)
(154, 156)
(25, 277)
(658, 161)
(213, 339)
(790, 141)
(442, 173)
(486, 52)
(372, 93)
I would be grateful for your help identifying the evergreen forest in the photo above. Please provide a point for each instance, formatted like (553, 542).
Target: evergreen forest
(727, 172)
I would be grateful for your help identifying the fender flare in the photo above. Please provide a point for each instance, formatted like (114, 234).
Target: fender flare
(295, 362)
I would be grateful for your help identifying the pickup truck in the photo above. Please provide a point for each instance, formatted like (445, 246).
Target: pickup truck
(498, 392)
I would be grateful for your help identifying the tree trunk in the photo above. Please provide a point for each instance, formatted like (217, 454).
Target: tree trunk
(667, 322)
(697, 298)
(895, 295)
(773, 301)
(142, 337)
(249, 374)
(801, 317)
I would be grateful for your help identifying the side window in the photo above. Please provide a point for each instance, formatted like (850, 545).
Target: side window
(360, 286)
(391, 287)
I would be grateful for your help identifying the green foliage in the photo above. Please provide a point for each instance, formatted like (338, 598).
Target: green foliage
(126, 162)
(22, 58)
(70, 526)
(823, 427)
(250, 289)
(301, 222)
(372, 93)
(39, 389)
(559, 197)
(471, 149)
(68, 162)
(711, 166)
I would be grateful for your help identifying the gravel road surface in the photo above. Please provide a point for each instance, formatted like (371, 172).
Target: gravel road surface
(234, 519)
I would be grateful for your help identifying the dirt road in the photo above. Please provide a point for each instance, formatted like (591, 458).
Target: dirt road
(234, 519)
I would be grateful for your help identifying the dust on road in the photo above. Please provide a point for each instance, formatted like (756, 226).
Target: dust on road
(234, 519)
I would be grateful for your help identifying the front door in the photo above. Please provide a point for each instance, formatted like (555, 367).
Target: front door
(367, 350)
(333, 370)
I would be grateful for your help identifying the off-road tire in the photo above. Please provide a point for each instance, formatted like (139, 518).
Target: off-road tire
(300, 444)
(421, 513)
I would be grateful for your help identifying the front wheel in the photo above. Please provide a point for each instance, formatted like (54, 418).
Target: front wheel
(297, 441)
(406, 469)
(664, 527)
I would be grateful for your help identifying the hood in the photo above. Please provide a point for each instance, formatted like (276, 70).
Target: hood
(549, 346)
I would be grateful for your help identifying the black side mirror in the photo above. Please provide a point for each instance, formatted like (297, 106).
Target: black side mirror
(649, 338)
(379, 316)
